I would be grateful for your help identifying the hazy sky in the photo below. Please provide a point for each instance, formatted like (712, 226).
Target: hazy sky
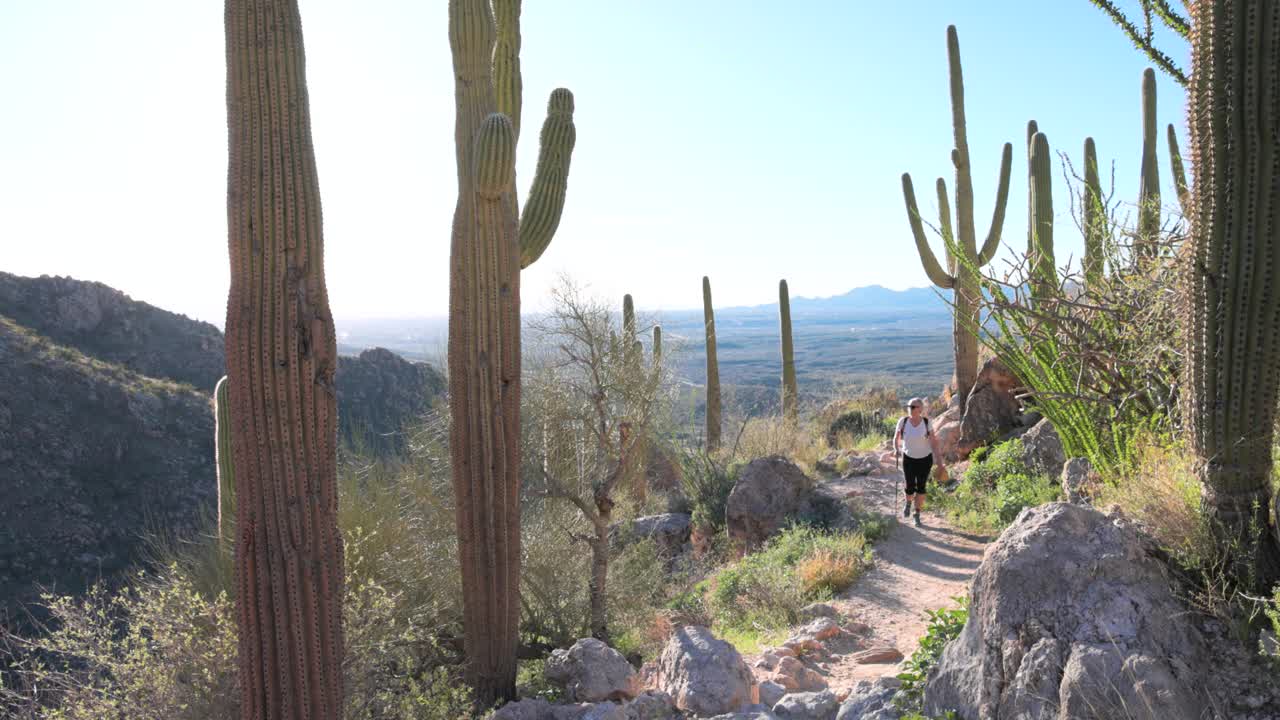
(742, 139)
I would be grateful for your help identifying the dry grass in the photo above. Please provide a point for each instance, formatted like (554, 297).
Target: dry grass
(803, 443)
(1163, 493)
(826, 572)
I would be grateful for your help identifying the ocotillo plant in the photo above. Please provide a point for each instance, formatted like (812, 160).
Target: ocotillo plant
(962, 277)
(281, 357)
(488, 248)
(1040, 253)
(1094, 217)
(713, 369)
(1149, 188)
(1232, 366)
(790, 400)
(225, 466)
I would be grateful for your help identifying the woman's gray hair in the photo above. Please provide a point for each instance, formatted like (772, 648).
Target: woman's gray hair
(915, 401)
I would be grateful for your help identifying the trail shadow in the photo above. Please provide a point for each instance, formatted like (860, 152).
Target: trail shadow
(971, 537)
(919, 554)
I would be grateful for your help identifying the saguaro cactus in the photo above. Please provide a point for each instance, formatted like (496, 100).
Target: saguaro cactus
(1094, 217)
(790, 399)
(713, 369)
(961, 277)
(1040, 250)
(657, 345)
(225, 465)
(1149, 189)
(281, 357)
(1232, 368)
(488, 248)
(1179, 175)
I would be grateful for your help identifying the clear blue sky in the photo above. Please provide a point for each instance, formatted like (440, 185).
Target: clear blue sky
(742, 139)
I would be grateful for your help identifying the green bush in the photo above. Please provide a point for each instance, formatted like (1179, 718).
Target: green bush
(995, 488)
(860, 424)
(944, 626)
(707, 485)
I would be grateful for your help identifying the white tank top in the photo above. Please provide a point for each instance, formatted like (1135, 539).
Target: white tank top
(915, 439)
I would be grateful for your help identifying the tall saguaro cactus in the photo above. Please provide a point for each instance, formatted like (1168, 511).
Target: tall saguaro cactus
(713, 369)
(1094, 218)
(657, 345)
(281, 357)
(961, 277)
(489, 246)
(1149, 188)
(790, 399)
(1232, 329)
(1040, 249)
(223, 459)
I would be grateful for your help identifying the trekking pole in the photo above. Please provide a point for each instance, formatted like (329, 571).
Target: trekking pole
(895, 482)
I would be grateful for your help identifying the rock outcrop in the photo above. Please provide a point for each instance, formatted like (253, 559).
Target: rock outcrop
(769, 490)
(1042, 449)
(93, 457)
(704, 674)
(1071, 616)
(990, 411)
(379, 393)
(593, 672)
(668, 531)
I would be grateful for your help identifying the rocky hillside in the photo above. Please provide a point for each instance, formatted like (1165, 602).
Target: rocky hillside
(91, 457)
(106, 429)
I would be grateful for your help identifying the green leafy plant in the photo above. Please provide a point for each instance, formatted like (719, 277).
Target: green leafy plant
(944, 626)
(994, 489)
(707, 484)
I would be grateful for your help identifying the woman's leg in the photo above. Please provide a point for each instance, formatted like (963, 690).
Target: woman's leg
(921, 485)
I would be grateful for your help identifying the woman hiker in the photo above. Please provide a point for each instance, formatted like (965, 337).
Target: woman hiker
(918, 446)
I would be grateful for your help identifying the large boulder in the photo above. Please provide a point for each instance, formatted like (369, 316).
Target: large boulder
(1071, 616)
(591, 671)
(653, 706)
(769, 490)
(705, 675)
(1042, 449)
(991, 410)
(536, 709)
(808, 706)
(669, 531)
(871, 699)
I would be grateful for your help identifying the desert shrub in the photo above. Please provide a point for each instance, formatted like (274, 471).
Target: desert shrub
(553, 572)
(944, 626)
(804, 442)
(994, 490)
(859, 424)
(707, 485)
(767, 588)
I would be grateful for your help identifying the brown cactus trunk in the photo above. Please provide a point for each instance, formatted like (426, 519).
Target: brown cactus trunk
(280, 365)
(1233, 315)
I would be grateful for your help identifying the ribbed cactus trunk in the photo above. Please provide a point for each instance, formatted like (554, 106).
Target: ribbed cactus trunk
(713, 369)
(657, 346)
(1145, 246)
(1040, 250)
(790, 399)
(962, 277)
(225, 465)
(1232, 369)
(281, 357)
(489, 246)
(1094, 218)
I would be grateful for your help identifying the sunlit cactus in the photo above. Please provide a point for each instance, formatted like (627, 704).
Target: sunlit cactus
(657, 345)
(790, 399)
(1040, 254)
(225, 467)
(1232, 328)
(1094, 218)
(1179, 174)
(713, 369)
(489, 247)
(962, 277)
(1149, 189)
(281, 358)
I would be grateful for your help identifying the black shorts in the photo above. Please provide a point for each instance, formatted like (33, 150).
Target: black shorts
(917, 472)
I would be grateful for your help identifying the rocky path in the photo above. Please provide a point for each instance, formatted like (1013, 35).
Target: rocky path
(916, 569)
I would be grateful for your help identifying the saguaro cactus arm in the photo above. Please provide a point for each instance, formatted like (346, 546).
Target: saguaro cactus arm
(1041, 252)
(1179, 174)
(935, 272)
(1094, 216)
(545, 203)
(992, 243)
(1149, 188)
(713, 369)
(223, 458)
(790, 397)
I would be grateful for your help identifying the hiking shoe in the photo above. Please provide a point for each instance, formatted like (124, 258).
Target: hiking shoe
(906, 511)
(917, 518)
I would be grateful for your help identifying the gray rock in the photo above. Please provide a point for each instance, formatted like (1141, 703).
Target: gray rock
(991, 410)
(757, 712)
(1042, 449)
(591, 671)
(652, 705)
(1071, 616)
(1076, 474)
(524, 710)
(705, 675)
(771, 692)
(818, 610)
(867, 698)
(769, 490)
(669, 531)
(808, 706)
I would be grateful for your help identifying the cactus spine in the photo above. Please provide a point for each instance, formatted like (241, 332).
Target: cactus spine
(1149, 188)
(1094, 217)
(225, 466)
(790, 408)
(1040, 251)
(713, 369)
(963, 278)
(1232, 328)
(489, 246)
(281, 357)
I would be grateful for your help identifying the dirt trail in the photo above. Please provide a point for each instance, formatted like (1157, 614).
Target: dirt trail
(916, 569)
